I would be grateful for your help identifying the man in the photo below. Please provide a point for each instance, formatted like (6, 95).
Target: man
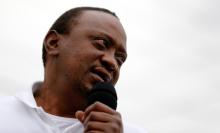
(85, 46)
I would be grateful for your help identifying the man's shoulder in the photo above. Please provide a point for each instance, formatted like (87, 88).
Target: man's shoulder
(16, 116)
(7, 100)
(10, 104)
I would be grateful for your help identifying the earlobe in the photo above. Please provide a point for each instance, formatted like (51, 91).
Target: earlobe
(51, 43)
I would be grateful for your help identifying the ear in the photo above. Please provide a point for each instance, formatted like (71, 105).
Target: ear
(51, 43)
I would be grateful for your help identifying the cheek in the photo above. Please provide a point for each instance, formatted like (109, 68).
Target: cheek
(79, 61)
(73, 68)
(77, 68)
(116, 76)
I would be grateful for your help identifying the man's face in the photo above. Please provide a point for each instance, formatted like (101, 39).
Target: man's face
(93, 51)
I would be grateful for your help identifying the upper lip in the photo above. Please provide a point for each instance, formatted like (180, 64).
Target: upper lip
(103, 73)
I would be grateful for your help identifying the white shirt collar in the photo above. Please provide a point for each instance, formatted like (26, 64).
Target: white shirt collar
(27, 97)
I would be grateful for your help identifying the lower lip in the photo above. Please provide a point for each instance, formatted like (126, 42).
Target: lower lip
(97, 77)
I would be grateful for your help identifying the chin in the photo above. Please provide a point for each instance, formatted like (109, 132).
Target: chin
(86, 87)
(88, 84)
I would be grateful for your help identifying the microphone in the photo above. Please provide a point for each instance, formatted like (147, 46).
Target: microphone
(105, 93)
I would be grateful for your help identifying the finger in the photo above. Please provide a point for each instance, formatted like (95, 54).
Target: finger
(80, 115)
(99, 107)
(94, 126)
(102, 127)
(102, 117)
(93, 131)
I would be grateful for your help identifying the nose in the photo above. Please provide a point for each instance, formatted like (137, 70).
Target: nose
(109, 62)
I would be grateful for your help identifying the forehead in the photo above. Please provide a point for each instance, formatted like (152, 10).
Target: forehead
(103, 23)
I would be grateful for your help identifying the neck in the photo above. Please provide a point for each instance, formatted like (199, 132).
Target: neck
(59, 100)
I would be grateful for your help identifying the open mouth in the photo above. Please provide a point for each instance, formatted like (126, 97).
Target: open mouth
(101, 72)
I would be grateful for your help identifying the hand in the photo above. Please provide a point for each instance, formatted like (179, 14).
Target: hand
(99, 118)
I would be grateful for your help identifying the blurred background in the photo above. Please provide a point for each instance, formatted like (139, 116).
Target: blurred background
(170, 82)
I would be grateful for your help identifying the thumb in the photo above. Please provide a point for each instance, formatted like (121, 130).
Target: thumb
(79, 115)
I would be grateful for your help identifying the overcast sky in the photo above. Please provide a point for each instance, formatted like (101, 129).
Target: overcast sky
(170, 82)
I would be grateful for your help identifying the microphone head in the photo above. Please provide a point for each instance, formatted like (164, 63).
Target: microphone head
(105, 93)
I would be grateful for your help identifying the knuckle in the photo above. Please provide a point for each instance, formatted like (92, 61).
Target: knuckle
(118, 120)
(92, 115)
(115, 128)
(97, 104)
(118, 114)
(89, 125)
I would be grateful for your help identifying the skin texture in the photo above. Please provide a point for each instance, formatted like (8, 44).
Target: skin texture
(92, 52)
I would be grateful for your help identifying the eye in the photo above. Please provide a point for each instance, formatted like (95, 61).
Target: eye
(101, 43)
(120, 57)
